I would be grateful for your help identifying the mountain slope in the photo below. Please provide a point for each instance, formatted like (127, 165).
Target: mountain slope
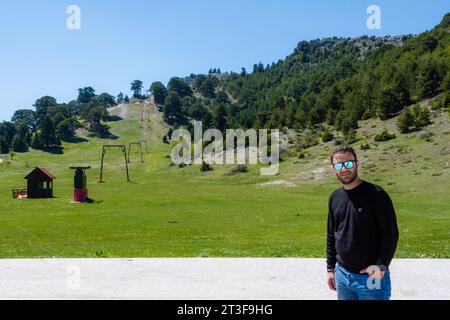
(171, 211)
(332, 81)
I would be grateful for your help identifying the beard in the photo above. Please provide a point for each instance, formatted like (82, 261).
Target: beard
(348, 179)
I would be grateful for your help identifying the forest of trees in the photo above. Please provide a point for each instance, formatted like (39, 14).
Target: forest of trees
(51, 122)
(180, 104)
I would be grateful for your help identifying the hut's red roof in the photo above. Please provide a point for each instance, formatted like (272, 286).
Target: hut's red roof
(43, 170)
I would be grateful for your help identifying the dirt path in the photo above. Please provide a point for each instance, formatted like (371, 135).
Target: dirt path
(121, 110)
(157, 126)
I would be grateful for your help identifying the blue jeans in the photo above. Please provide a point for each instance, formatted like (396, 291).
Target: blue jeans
(355, 286)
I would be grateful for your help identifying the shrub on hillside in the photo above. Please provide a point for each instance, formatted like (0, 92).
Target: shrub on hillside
(303, 154)
(350, 137)
(205, 167)
(327, 136)
(240, 168)
(384, 136)
(365, 146)
(405, 121)
(421, 116)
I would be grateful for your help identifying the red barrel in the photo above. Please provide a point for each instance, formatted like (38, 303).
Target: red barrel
(80, 194)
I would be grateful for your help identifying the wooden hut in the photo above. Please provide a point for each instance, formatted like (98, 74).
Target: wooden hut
(40, 183)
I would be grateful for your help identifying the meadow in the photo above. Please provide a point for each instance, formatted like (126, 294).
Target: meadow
(167, 211)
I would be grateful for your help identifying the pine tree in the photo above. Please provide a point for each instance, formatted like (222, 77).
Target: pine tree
(19, 143)
(4, 146)
(48, 134)
(405, 121)
(446, 83)
(428, 79)
(172, 107)
(421, 117)
(220, 120)
(385, 102)
(119, 98)
(36, 141)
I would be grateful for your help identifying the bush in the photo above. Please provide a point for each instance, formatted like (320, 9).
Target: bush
(168, 136)
(384, 136)
(314, 142)
(327, 136)
(421, 117)
(350, 137)
(240, 168)
(205, 167)
(438, 103)
(446, 100)
(303, 154)
(405, 121)
(365, 146)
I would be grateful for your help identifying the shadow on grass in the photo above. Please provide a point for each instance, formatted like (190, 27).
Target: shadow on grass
(102, 132)
(131, 181)
(75, 139)
(54, 150)
(89, 201)
(113, 118)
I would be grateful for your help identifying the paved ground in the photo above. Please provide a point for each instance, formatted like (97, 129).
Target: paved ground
(202, 278)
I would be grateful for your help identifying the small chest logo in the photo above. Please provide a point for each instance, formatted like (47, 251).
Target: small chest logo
(359, 210)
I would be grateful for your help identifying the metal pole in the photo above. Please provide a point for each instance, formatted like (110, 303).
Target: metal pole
(129, 147)
(101, 166)
(124, 150)
(146, 147)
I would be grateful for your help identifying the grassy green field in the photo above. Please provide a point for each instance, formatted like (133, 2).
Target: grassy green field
(166, 211)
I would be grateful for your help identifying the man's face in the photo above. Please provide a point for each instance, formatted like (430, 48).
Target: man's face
(346, 176)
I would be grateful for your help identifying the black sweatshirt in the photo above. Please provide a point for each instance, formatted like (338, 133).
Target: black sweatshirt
(362, 228)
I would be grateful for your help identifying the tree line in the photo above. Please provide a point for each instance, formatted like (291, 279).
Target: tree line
(50, 122)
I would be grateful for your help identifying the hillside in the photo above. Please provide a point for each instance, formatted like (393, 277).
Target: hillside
(170, 211)
(332, 82)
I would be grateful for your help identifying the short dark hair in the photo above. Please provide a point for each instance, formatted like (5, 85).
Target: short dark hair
(343, 149)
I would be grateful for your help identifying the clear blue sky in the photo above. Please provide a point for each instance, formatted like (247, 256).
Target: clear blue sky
(152, 40)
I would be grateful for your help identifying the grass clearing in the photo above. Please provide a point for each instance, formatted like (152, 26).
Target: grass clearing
(181, 212)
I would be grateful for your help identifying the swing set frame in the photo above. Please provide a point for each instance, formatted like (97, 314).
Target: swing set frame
(122, 148)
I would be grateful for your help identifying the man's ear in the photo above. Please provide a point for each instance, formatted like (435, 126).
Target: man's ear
(357, 163)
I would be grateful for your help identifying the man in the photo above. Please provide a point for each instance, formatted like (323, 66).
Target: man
(362, 234)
